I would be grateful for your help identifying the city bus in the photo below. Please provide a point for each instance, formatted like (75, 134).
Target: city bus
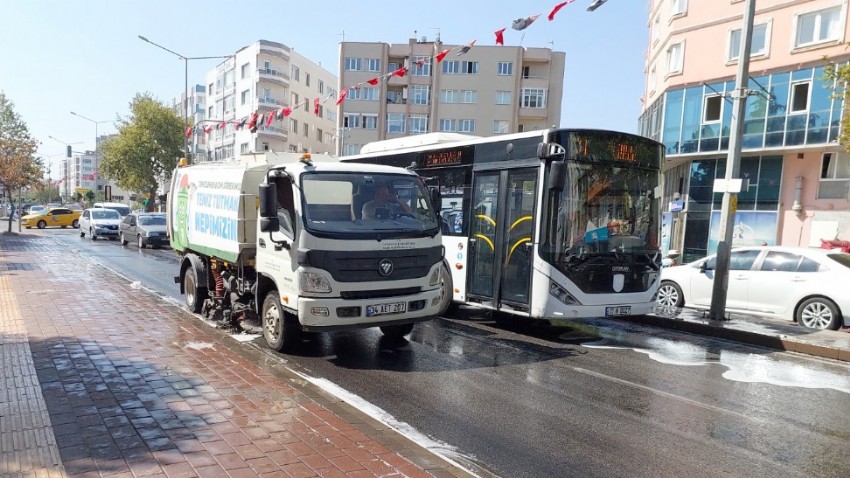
(553, 224)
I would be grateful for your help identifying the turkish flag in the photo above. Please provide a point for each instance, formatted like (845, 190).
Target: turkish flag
(373, 82)
(270, 119)
(316, 106)
(558, 7)
(500, 37)
(189, 132)
(400, 72)
(342, 95)
(442, 55)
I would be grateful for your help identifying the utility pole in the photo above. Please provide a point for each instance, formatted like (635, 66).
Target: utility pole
(730, 186)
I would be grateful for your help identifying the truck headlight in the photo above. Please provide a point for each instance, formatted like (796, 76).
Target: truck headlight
(313, 282)
(435, 277)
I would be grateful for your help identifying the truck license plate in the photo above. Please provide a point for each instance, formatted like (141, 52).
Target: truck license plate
(381, 309)
(618, 310)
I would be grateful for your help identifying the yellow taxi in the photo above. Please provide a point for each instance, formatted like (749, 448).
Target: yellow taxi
(53, 217)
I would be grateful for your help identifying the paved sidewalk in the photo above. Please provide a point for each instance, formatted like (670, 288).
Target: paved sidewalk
(101, 379)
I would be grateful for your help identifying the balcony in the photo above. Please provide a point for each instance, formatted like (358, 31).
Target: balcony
(268, 101)
(277, 132)
(272, 75)
(536, 113)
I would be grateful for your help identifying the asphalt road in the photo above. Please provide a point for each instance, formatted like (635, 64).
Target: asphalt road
(598, 398)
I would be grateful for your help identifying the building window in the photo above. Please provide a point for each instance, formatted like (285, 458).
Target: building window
(799, 97)
(370, 94)
(469, 67)
(501, 126)
(713, 108)
(353, 94)
(294, 100)
(372, 64)
(653, 79)
(352, 64)
(246, 68)
(370, 121)
(321, 87)
(351, 120)
(817, 27)
(306, 129)
(505, 68)
(656, 29)
(533, 98)
(417, 124)
(320, 135)
(421, 94)
(420, 66)
(466, 126)
(243, 148)
(306, 79)
(448, 125)
(834, 176)
(293, 126)
(526, 72)
(678, 7)
(245, 97)
(265, 146)
(449, 96)
(674, 58)
(758, 47)
(451, 67)
(503, 97)
(351, 149)
(210, 89)
(395, 123)
(296, 73)
(469, 96)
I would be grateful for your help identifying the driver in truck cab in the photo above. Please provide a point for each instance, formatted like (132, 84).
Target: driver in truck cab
(384, 199)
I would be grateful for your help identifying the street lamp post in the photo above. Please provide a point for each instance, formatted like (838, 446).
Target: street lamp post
(185, 80)
(96, 148)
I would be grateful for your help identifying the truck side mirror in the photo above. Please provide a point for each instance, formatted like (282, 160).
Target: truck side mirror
(268, 200)
(269, 224)
(557, 176)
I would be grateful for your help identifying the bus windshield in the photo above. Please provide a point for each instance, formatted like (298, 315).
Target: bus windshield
(367, 205)
(606, 216)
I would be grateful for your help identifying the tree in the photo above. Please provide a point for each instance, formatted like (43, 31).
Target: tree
(146, 149)
(839, 76)
(18, 165)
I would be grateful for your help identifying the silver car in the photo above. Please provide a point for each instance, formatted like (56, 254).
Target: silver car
(144, 229)
(806, 285)
(98, 222)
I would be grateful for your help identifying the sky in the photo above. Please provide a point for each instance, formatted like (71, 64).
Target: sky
(85, 56)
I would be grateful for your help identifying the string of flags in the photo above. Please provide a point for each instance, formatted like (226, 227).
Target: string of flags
(257, 119)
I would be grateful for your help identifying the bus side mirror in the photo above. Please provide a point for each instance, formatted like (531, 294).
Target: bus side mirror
(436, 200)
(550, 151)
(557, 178)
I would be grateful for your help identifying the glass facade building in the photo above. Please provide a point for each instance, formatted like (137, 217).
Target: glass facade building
(785, 111)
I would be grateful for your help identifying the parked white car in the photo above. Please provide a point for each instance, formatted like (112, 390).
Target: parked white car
(100, 222)
(808, 286)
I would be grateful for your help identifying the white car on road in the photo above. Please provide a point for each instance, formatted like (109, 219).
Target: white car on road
(100, 222)
(808, 286)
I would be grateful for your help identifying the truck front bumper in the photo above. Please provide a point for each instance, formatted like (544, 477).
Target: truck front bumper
(326, 314)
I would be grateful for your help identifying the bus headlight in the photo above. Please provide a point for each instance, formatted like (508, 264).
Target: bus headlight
(313, 282)
(562, 295)
(435, 277)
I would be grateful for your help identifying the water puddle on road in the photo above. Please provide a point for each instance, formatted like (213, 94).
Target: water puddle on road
(742, 366)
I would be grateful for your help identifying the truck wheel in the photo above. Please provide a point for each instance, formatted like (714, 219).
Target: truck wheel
(195, 296)
(397, 331)
(280, 331)
(447, 290)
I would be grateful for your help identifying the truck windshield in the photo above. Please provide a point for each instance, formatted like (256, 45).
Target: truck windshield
(380, 205)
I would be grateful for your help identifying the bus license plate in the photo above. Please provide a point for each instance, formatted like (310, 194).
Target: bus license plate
(617, 311)
(381, 309)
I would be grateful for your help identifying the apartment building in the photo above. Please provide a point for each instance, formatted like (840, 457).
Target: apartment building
(194, 109)
(263, 78)
(796, 175)
(486, 91)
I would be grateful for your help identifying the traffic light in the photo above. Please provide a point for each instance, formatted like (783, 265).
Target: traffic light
(68, 151)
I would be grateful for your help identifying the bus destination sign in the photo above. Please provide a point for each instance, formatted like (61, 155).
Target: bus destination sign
(446, 157)
(604, 146)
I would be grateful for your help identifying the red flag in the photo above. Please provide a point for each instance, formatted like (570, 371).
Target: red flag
(316, 106)
(373, 82)
(252, 125)
(523, 23)
(222, 125)
(557, 7)
(400, 72)
(287, 111)
(442, 55)
(500, 38)
(189, 132)
(269, 119)
(207, 129)
(342, 95)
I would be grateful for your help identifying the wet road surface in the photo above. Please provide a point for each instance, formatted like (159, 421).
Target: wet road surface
(599, 398)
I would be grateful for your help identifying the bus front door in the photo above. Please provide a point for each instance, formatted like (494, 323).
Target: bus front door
(501, 232)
